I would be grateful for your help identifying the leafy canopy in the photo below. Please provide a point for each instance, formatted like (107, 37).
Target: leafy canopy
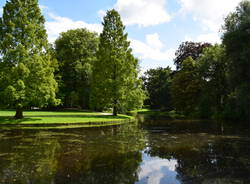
(76, 52)
(186, 87)
(157, 83)
(236, 39)
(115, 73)
(26, 74)
(186, 49)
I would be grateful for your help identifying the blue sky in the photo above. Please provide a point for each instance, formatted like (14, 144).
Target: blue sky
(155, 27)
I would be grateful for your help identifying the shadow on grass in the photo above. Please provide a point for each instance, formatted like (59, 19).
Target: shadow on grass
(11, 120)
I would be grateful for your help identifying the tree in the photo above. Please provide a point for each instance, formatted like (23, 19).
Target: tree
(157, 83)
(76, 52)
(26, 66)
(186, 87)
(115, 73)
(213, 69)
(236, 39)
(186, 49)
(1, 83)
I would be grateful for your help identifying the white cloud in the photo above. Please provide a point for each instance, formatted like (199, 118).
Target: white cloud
(42, 7)
(1, 11)
(101, 13)
(146, 51)
(209, 37)
(142, 12)
(152, 49)
(154, 41)
(210, 13)
(61, 24)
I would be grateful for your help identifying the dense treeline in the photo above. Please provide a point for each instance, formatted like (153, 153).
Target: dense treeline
(210, 81)
(85, 70)
(81, 70)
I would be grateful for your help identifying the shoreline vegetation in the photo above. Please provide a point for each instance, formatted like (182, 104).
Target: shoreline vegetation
(62, 119)
(173, 115)
(94, 71)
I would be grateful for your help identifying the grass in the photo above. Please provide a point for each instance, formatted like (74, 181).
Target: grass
(141, 111)
(156, 112)
(61, 118)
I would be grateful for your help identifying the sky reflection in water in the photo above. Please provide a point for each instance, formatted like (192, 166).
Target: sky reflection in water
(160, 152)
(154, 170)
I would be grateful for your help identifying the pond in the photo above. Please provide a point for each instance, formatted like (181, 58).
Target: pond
(155, 152)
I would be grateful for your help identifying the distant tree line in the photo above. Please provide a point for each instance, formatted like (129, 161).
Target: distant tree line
(209, 80)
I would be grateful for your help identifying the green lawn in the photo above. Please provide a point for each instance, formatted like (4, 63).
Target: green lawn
(157, 112)
(140, 110)
(60, 118)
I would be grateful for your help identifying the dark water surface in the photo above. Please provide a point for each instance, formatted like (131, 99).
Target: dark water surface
(158, 152)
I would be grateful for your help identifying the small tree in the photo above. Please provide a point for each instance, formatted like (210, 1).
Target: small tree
(115, 73)
(27, 74)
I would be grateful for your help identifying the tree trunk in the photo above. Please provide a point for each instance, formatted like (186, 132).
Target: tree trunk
(115, 111)
(115, 92)
(115, 108)
(19, 114)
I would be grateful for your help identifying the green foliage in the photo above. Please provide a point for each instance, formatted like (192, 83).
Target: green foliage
(236, 39)
(199, 88)
(115, 73)
(186, 87)
(189, 49)
(215, 81)
(213, 69)
(76, 52)
(27, 76)
(157, 83)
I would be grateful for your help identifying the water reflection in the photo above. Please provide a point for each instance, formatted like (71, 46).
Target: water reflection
(111, 156)
(204, 155)
(159, 152)
(154, 170)
(27, 159)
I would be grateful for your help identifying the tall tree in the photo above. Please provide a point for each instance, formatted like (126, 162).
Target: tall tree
(26, 66)
(186, 49)
(236, 39)
(157, 83)
(115, 73)
(213, 70)
(76, 52)
(186, 87)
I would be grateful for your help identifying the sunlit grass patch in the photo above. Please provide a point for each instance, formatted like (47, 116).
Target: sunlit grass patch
(61, 118)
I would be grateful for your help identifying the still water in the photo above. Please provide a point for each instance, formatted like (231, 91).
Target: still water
(155, 152)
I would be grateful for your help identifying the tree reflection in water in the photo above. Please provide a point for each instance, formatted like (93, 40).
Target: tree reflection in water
(107, 155)
(204, 155)
(159, 152)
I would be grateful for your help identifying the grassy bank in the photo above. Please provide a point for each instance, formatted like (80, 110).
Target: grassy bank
(61, 118)
(155, 112)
